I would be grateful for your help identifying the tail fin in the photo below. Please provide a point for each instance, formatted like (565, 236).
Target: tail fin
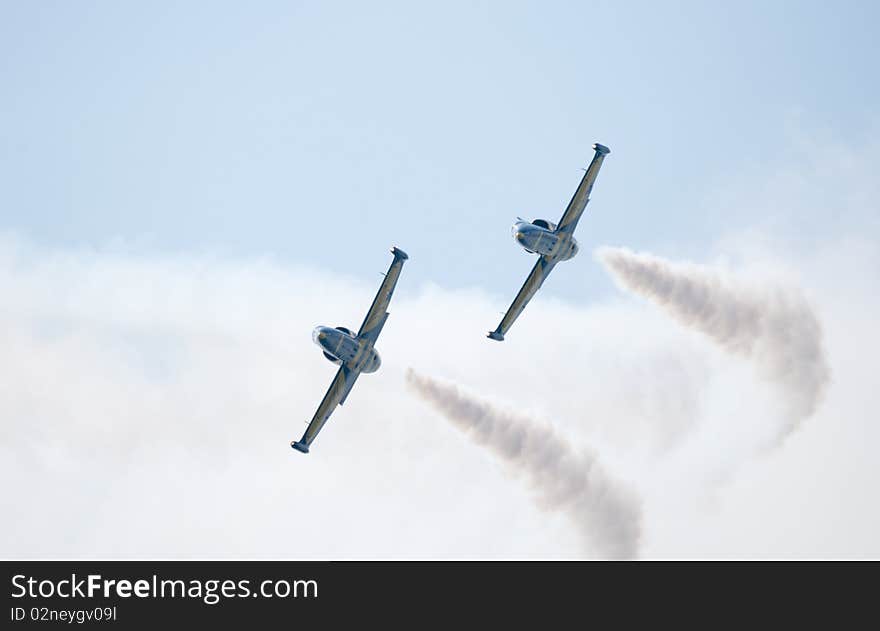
(300, 446)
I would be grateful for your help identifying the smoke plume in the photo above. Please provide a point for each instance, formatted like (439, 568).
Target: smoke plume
(774, 327)
(607, 514)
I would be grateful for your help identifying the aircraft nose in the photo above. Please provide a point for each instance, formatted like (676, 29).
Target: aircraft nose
(319, 335)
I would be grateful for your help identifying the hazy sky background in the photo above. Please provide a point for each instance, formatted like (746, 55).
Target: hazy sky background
(325, 132)
(186, 189)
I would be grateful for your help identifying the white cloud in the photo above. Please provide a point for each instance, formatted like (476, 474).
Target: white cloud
(147, 404)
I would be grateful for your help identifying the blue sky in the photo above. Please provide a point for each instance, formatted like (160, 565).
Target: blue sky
(322, 133)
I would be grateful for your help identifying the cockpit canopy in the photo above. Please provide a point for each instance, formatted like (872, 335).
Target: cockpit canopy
(543, 223)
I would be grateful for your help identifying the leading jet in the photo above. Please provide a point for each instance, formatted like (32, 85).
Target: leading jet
(353, 353)
(551, 242)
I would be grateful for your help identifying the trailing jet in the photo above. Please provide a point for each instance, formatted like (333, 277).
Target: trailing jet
(553, 243)
(354, 353)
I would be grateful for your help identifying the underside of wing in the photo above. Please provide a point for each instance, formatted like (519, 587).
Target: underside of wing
(530, 288)
(378, 312)
(336, 394)
(581, 196)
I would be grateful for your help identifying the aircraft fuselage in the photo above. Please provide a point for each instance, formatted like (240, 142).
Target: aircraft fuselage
(343, 347)
(537, 239)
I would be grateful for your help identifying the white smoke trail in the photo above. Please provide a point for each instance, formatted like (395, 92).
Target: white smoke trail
(775, 327)
(607, 514)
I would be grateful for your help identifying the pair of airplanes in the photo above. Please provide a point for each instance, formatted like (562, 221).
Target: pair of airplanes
(355, 353)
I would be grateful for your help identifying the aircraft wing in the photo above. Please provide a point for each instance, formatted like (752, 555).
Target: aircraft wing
(378, 313)
(582, 195)
(336, 394)
(533, 283)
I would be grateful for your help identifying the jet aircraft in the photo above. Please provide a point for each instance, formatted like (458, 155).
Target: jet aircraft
(551, 242)
(354, 353)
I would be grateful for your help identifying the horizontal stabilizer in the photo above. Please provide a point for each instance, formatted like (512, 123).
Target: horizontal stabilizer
(300, 446)
(496, 335)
